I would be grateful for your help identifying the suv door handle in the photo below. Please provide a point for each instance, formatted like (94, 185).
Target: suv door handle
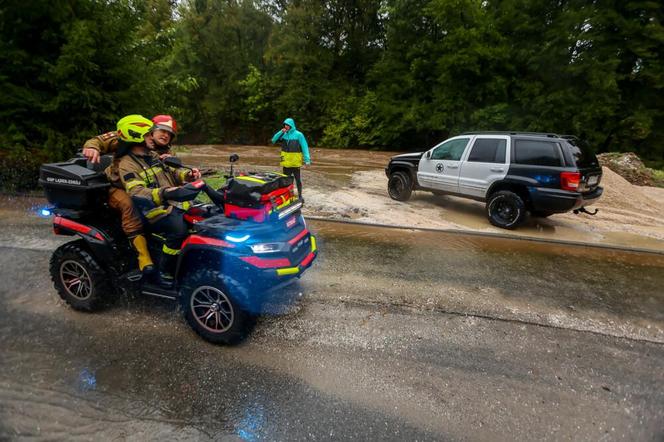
(497, 169)
(451, 166)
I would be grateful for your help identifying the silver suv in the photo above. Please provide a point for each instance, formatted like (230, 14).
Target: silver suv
(515, 173)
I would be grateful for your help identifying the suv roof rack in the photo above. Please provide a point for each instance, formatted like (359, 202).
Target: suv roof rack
(495, 132)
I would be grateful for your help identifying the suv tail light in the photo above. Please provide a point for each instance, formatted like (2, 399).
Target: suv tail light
(570, 180)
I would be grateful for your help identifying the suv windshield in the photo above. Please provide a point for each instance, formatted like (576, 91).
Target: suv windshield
(583, 155)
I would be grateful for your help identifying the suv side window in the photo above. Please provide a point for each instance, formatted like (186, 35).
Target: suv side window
(537, 153)
(488, 150)
(450, 150)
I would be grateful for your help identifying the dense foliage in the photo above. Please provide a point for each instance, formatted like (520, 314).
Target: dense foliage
(395, 74)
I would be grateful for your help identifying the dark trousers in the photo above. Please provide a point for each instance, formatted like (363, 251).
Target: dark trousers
(174, 229)
(295, 171)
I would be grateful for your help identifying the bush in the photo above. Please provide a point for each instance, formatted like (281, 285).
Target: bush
(19, 169)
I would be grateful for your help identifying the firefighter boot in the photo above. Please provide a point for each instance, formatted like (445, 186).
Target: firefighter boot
(167, 265)
(145, 263)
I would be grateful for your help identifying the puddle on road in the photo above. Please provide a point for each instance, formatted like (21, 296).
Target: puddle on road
(134, 373)
(441, 241)
(597, 289)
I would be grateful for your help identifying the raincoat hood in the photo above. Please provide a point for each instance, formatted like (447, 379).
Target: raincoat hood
(291, 123)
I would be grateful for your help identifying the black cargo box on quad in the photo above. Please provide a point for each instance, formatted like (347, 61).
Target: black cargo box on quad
(72, 185)
(251, 189)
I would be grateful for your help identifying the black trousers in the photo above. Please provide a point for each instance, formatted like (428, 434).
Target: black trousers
(174, 229)
(295, 171)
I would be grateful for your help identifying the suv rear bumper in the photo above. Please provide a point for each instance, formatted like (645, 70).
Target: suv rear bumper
(559, 201)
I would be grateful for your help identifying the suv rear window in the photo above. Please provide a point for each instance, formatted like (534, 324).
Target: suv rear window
(488, 150)
(537, 153)
(583, 155)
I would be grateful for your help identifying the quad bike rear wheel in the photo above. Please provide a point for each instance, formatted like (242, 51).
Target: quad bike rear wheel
(78, 278)
(209, 301)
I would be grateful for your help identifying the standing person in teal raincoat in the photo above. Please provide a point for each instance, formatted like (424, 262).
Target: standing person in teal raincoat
(294, 151)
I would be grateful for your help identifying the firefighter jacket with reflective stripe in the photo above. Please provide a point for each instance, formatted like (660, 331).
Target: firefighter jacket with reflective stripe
(108, 143)
(145, 178)
(104, 143)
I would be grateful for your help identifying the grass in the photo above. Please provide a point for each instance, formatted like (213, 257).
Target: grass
(215, 182)
(657, 169)
(657, 165)
(658, 177)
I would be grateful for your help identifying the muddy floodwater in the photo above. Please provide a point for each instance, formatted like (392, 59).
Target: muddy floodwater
(352, 185)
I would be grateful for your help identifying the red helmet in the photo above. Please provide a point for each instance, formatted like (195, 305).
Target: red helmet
(167, 123)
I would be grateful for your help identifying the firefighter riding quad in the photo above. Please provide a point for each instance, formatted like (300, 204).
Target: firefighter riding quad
(251, 241)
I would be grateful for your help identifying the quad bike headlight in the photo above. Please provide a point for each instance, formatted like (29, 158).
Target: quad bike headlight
(270, 247)
(237, 238)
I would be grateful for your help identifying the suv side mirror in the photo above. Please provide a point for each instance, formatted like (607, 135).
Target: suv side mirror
(428, 155)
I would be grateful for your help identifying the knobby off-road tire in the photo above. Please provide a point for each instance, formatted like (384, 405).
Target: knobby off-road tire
(210, 303)
(400, 186)
(78, 278)
(506, 209)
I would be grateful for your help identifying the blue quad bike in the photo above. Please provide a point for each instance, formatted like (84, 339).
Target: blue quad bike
(228, 267)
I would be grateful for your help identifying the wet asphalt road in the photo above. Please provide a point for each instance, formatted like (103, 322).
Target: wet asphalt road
(386, 343)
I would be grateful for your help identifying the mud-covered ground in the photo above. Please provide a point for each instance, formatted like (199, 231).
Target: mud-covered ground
(351, 185)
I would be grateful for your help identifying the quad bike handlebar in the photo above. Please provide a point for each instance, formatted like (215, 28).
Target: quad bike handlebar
(190, 190)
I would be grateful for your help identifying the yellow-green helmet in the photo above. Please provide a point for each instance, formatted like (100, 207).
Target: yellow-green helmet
(133, 128)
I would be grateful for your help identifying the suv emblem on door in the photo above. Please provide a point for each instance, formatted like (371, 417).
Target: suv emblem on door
(440, 167)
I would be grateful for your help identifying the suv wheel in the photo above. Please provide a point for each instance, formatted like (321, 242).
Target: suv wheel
(399, 186)
(78, 278)
(505, 209)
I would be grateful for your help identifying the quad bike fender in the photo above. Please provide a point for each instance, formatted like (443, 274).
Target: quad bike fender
(97, 241)
(198, 251)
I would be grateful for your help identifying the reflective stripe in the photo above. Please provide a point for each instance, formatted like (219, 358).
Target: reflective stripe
(151, 172)
(155, 197)
(185, 205)
(167, 250)
(133, 183)
(183, 174)
(288, 271)
(250, 178)
(313, 243)
(156, 212)
(159, 236)
(286, 202)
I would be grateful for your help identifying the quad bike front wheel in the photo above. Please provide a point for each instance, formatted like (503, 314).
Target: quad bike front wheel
(209, 301)
(78, 278)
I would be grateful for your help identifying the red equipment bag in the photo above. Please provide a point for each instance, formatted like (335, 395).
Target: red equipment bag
(256, 195)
